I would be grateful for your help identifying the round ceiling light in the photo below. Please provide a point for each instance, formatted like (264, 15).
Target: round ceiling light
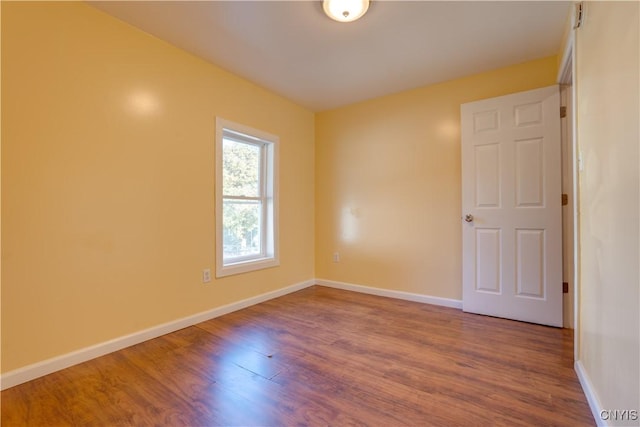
(345, 10)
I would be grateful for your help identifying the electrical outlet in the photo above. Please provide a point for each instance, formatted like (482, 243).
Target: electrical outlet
(336, 257)
(206, 275)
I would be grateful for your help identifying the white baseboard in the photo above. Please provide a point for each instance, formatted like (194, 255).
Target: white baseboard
(590, 394)
(30, 372)
(426, 299)
(45, 367)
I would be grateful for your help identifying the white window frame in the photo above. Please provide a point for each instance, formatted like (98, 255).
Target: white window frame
(269, 196)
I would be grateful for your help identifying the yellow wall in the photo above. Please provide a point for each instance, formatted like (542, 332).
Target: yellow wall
(107, 181)
(608, 112)
(388, 189)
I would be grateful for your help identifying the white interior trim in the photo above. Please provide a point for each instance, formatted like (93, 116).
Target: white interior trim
(425, 299)
(269, 256)
(36, 370)
(565, 71)
(590, 393)
(566, 75)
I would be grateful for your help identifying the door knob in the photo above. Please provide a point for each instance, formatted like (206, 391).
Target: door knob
(468, 218)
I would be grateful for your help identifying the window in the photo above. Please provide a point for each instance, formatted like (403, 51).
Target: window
(246, 199)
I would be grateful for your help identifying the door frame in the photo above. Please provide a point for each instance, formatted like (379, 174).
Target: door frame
(570, 165)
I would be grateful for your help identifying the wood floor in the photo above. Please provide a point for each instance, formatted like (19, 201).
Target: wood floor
(321, 357)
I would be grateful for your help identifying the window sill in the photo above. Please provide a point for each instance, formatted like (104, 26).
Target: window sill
(246, 266)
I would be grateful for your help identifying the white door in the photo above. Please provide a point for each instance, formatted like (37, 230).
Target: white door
(511, 207)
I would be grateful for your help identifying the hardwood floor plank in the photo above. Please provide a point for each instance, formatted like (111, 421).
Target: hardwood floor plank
(321, 356)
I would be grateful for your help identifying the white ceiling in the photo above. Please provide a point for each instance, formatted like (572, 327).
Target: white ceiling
(293, 49)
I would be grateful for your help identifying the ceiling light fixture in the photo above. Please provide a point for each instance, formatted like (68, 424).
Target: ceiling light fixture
(345, 10)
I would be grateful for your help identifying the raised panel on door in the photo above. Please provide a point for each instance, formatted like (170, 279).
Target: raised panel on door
(487, 167)
(484, 121)
(529, 172)
(527, 114)
(488, 259)
(530, 254)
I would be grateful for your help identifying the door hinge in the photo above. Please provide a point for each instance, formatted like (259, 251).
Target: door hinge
(563, 112)
(579, 15)
(565, 287)
(565, 200)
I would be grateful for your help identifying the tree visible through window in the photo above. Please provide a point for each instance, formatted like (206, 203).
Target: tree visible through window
(245, 198)
(242, 194)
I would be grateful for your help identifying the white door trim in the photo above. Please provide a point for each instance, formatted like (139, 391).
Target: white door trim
(566, 73)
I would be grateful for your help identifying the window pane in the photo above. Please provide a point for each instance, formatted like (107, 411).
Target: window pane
(241, 169)
(241, 228)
